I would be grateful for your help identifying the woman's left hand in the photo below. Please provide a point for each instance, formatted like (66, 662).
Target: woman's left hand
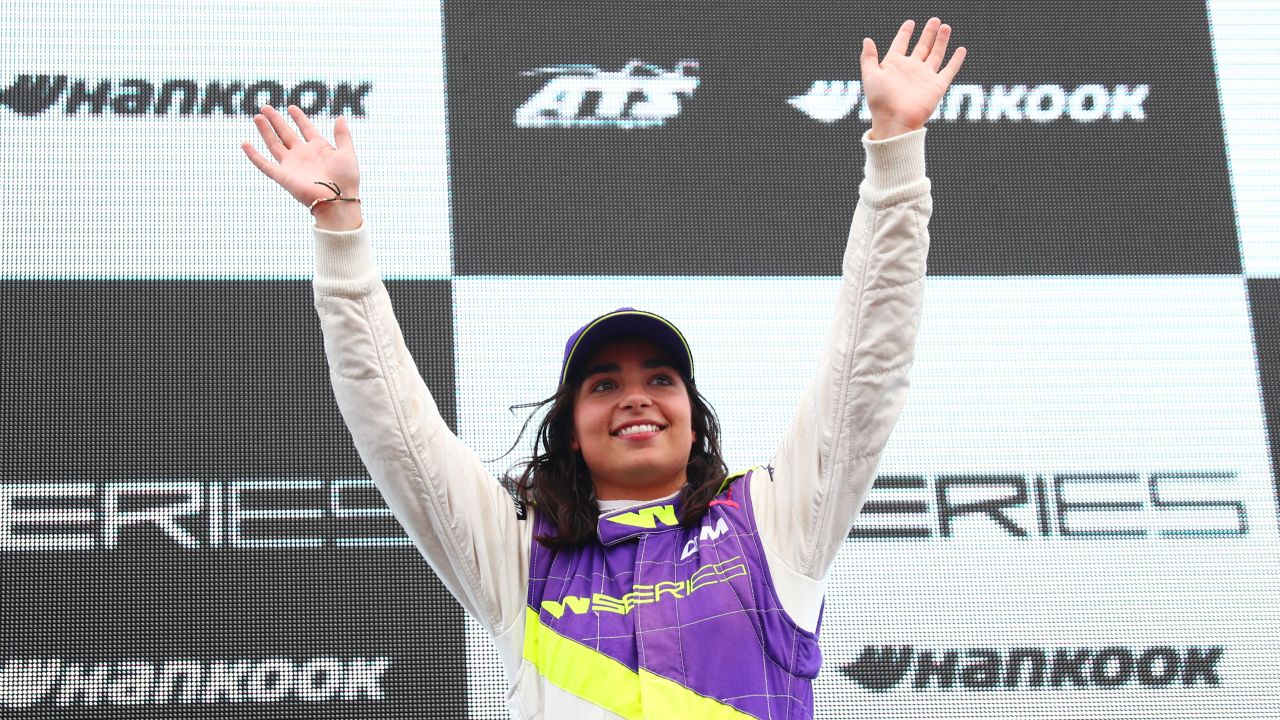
(903, 90)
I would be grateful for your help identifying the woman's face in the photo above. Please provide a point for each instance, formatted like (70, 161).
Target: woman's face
(632, 422)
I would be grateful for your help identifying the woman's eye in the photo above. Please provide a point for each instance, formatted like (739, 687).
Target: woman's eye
(663, 380)
(600, 385)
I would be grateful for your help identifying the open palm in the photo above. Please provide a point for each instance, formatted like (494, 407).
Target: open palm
(904, 89)
(303, 161)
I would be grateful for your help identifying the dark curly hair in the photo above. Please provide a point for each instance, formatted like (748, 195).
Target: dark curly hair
(557, 482)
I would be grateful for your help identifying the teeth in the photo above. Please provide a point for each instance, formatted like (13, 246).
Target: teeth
(636, 429)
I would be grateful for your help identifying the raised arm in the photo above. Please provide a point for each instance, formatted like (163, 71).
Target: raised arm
(827, 459)
(458, 516)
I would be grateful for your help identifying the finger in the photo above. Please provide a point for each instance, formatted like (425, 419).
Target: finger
(925, 43)
(870, 59)
(267, 167)
(309, 132)
(342, 134)
(953, 66)
(902, 39)
(939, 50)
(281, 126)
(269, 137)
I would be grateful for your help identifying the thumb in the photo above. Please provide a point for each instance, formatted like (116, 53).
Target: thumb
(870, 58)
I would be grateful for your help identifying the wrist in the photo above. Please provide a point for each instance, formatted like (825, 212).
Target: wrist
(338, 216)
(883, 129)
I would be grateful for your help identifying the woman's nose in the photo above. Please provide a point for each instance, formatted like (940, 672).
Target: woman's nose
(636, 398)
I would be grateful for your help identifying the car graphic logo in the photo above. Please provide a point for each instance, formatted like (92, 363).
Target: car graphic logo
(638, 95)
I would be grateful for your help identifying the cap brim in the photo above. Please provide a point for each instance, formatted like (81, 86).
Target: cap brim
(624, 324)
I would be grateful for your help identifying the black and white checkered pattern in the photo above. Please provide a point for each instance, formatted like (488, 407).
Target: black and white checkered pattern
(1086, 460)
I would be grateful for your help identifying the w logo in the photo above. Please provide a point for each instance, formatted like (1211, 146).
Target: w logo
(648, 518)
(33, 94)
(879, 668)
(828, 100)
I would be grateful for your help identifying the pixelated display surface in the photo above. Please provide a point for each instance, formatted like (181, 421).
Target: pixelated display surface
(1077, 512)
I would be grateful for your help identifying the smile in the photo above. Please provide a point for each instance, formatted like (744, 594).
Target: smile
(638, 429)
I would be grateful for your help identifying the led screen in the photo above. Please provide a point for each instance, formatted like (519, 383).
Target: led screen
(1077, 512)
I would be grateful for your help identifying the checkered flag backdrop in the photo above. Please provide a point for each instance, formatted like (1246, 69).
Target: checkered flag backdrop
(1077, 510)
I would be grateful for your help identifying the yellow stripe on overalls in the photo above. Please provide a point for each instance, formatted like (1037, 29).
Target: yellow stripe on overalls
(602, 680)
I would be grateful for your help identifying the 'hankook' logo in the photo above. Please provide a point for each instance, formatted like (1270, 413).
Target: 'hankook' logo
(830, 101)
(883, 668)
(639, 95)
(31, 95)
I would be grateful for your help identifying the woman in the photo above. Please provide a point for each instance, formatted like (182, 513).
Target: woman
(637, 580)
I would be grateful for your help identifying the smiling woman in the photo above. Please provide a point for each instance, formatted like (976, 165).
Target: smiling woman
(631, 422)
(627, 423)
(638, 578)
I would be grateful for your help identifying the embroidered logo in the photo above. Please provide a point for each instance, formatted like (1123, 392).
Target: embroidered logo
(647, 518)
(648, 594)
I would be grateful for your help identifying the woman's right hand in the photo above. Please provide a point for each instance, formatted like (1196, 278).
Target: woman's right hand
(301, 162)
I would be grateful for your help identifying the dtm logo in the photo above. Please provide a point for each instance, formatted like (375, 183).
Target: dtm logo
(829, 101)
(639, 95)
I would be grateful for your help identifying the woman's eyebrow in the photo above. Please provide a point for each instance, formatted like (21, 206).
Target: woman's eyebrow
(603, 368)
(657, 362)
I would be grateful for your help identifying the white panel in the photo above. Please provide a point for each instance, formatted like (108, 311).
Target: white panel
(754, 341)
(172, 196)
(1074, 374)
(1017, 376)
(509, 340)
(1012, 374)
(1052, 376)
(1248, 64)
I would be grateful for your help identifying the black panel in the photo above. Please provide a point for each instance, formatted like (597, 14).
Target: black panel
(1264, 311)
(112, 385)
(186, 379)
(739, 182)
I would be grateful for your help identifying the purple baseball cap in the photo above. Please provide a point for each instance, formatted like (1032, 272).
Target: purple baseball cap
(626, 323)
